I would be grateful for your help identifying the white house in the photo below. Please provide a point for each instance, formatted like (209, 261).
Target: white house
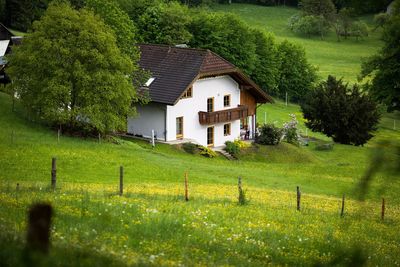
(195, 95)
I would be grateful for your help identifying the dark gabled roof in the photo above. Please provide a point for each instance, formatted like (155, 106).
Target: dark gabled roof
(5, 33)
(175, 69)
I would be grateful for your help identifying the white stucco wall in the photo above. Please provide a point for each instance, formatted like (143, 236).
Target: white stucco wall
(149, 117)
(188, 109)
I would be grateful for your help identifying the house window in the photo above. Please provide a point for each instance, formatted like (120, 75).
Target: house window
(227, 129)
(188, 93)
(179, 127)
(210, 104)
(210, 136)
(227, 100)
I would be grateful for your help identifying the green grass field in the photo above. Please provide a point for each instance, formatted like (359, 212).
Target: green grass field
(341, 59)
(152, 224)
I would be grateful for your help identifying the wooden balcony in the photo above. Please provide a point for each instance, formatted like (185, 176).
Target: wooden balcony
(226, 115)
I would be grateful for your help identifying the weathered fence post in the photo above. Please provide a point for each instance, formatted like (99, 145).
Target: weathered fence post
(12, 136)
(342, 211)
(186, 187)
(39, 221)
(17, 191)
(298, 198)
(121, 180)
(383, 209)
(53, 173)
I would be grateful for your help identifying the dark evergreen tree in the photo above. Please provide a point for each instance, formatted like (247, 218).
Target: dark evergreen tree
(19, 14)
(347, 115)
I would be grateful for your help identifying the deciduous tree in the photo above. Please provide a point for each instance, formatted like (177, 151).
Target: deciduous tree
(165, 24)
(383, 69)
(296, 75)
(70, 71)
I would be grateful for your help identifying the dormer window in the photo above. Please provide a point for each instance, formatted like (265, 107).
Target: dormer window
(149, 81)
(188, 93)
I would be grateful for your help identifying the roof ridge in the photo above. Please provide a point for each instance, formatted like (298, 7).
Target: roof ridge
(7, 29)
(174, 47)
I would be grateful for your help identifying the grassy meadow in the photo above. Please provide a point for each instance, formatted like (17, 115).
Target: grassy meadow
(341, 59)
(152, 225)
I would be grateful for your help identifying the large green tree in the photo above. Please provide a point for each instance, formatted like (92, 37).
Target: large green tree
(226, 35)
(266, 64)
(324, 8)
(70, 71)
(383, 69)
(165, 24)
(296, 75)
(119, 21)
(347, 115)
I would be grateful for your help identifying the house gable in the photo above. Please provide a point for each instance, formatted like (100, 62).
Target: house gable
(175, 69)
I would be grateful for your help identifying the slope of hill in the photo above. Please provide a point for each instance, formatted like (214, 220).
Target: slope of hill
(151, 224)
(341, 59)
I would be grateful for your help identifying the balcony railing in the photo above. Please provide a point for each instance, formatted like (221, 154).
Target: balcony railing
(226, 115)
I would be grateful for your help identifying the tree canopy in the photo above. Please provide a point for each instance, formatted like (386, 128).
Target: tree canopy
(347, 115)
(234, 42)
(118, 20)
(384, 68)
(165, 24)
(70, 71)
(296, 75)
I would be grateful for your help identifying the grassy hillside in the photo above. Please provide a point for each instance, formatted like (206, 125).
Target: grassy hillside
(153, 225)
(341, 59)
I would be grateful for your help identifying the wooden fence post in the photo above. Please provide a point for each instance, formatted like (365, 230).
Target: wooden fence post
(383, 209)
(39, 221)
(121, 180)
(12, 136)
(17, 191)
(298, 198)
(186, 187)
(53, 173)
(342, 211)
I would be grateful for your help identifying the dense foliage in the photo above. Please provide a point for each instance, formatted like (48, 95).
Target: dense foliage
(290, 131)
(233, 42)
(19, 14)
(266, 63)
(277, 68)
(362, 6)
(165, 24)
(118, 20)
(232, 148)
(384, 68)
(296, 75)
(269, 135)
(324, 8)
(346, 115)
(87, 88)
(309, 25)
